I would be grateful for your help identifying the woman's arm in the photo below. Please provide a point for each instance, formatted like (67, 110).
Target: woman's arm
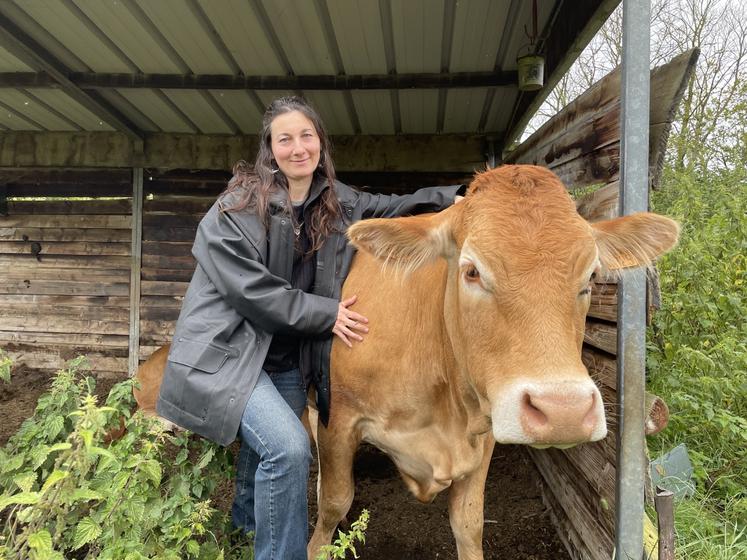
(429, 199)
(233, 265)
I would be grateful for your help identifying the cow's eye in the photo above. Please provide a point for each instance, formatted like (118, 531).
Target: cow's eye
(587, 290)
(471, 273)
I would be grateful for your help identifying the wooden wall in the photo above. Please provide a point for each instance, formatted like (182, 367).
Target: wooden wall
(64, 285)
(582, 145)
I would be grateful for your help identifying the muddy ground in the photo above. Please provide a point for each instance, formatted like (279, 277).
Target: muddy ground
(517, 526)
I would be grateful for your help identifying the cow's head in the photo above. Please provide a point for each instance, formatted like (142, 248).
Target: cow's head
(521, 265)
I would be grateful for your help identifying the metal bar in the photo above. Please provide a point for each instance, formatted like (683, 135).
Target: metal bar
(137, 243)
(104, 81)
(631, 333)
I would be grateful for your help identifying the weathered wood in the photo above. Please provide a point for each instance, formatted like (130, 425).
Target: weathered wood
(581, 143)
(186, 205)
(52, 234)
(137, 249)
(446, 152)
(166, 274)
(52, 362)
(57, 287)
(603, 303)
(664, 501)
(160, 313)
(63, 248)
(593, 534)
(46, 190)
(31, 323)
(90, 262)
(168, 234)
(66, 300)
(602, 368)
(161, 301)
(70, 221)
(45, 339)
(151, 288)
(56, 207)
(601, 335)
(75, 274)
(165, 262)
(171, 220)
(58, 312)
(574, 544)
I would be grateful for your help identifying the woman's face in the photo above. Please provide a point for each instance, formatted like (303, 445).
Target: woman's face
(295, 145)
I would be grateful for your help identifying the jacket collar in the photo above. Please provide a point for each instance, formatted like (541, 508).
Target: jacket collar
(279, 199)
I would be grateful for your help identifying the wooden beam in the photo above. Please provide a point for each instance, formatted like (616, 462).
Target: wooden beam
(576, 23)
(32, 53)
(104, 81)
(385, 153)
(137, 241)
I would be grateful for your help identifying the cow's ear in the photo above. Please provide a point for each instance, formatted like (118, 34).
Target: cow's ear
(635, 240)
(407, 243)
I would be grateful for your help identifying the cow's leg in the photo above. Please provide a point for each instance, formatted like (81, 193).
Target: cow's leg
(336, 446)
(466, 513)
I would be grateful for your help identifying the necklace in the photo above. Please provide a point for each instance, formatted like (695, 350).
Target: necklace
(297, 229)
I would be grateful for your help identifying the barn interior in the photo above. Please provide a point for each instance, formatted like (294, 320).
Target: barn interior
(120, 122)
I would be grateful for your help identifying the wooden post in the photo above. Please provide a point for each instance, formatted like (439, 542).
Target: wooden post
(137, 242)
(664, 502)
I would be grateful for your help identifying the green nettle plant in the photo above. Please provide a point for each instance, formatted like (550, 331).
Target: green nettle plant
(5, 365)
(66, 491)
(345, 542)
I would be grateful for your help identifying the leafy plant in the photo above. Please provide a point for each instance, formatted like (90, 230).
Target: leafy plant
(65, 491)
(345, 542)
(5, 366)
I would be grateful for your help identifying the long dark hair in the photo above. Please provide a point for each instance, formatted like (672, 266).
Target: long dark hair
(254, 186)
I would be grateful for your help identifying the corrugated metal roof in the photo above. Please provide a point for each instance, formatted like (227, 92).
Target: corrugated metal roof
(232, 38)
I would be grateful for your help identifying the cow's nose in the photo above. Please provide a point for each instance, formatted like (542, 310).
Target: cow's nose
(556, 418)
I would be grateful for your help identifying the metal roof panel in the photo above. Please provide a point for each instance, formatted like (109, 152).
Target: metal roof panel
(198, 110)
(73, 110)
(374, 110)
(331, 107)
(244, 36)
(357, 26)
(297, 24)
(418, 108)
(153, 107)
(241, 109)
(477, 34)
(9, 63)
(417, 26)
(463, 109)
(27, 106)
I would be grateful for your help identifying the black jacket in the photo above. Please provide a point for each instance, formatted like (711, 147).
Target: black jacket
(240, 296)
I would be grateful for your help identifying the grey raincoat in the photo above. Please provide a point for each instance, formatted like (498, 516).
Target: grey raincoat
(240, 296)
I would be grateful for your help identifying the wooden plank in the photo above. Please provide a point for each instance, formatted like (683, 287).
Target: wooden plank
(593, 534)
(105, 189)
(169, 262)
(157, 327)
(57, 312)
(30, 323)
(137, 249)
(66, 351)
(65, 288)
(56, 207)
(155, 339)
(169, 234)
(77, 234)
(152, 288)
(64, 248)
(161, 301)
(167, 248)
(601, 335)
(574, 544)
(45, 339)
(89, 262)
(44, 361)
(184, 204)
(171, 220)
(65, 175)
(592, 463)
(166, 274)
(74, 274)
(602, 368)
(66, 300)
(70, 221)
(603, 303)
(160, 313)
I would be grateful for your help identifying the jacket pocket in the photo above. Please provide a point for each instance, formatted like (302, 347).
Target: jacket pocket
(207, 357)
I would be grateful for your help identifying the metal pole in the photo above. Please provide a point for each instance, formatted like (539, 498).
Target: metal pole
(136, 249)
(631, 334)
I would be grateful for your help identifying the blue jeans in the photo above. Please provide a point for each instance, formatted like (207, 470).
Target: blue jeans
(273, 469)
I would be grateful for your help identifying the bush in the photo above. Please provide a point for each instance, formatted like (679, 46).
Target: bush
(697, 355)
(67, 493)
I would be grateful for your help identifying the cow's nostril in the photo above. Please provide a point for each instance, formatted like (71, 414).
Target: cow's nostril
(534, 416)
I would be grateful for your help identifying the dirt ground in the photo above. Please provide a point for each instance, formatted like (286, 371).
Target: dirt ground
(517, 526)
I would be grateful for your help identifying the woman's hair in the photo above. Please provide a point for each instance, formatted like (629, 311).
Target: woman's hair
(254, 186)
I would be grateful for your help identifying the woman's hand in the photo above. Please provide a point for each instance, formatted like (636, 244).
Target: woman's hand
(348, 322)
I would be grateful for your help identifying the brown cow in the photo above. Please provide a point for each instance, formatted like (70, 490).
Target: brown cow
(476, 326)
(477, 319)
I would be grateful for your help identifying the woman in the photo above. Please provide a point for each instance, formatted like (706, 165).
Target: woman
(258, 318)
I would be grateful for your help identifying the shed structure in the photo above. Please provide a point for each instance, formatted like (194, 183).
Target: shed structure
(121, 119)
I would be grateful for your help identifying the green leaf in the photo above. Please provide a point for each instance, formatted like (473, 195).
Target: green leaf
(22, 498)
(152, 469)
(40, 541)
(54, 478)
(85, 494)
(206, 458)
(59, 447)
(55, 425)
(103, 452)
(87, 531)
(25, 481)
(13, 464)
(193, 547)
